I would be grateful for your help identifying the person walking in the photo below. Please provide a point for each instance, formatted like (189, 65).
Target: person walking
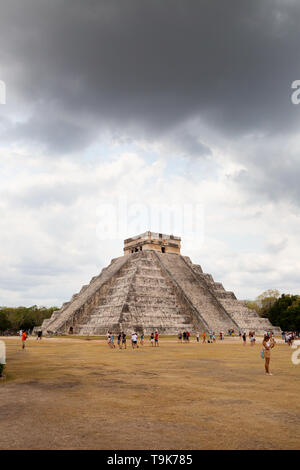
(112, 341)
(24, 337)
(124, 339)
(156, 339)
(39, 335)
(134, 340)
(142, 339)
(244, 338)
(203, 337)
(252, 339)
(152, 338)
(197, 337)
(268, 344)
(119, 340)
(290, 339)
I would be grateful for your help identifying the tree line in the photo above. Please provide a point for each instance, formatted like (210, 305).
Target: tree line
(282, 310)
(13, 319)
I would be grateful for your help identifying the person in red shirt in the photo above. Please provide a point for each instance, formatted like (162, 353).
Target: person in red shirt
(156, 338)
(24, 337)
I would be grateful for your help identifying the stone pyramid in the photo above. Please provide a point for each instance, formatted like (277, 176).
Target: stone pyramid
(153, 287)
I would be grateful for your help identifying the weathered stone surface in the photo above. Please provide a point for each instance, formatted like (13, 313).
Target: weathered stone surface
(148, 290)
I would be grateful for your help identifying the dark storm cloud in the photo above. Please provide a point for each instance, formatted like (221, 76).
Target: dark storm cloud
(60, 133)
(272, 170)
(147, 66)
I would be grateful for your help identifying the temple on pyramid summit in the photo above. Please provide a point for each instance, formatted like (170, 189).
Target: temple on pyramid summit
(153, 287)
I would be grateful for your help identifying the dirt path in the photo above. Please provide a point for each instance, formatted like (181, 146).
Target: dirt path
(77, 394)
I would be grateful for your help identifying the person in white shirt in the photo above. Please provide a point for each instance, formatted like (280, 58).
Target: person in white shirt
(134, 340)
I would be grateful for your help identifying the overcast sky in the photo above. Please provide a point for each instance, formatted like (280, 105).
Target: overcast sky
(118, 111)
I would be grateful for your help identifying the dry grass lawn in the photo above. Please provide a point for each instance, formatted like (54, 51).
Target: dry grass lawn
(77, 394)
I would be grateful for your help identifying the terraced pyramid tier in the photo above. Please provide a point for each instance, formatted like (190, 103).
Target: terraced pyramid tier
(147, 291)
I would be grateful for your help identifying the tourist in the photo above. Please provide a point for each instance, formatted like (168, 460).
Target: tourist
(156, 338)
(119, 340)
(252, 339)
(152, 338)
(203, 337)
(23, 338)
(290, 339)
(112, 341)
(197, 337)
(39, 335)
(142, 339)
(108, 338)
(184, 337)
(188, 334)
(124, 339)
(134, 339)
(268, 344)
(244, 338)
(180, 337)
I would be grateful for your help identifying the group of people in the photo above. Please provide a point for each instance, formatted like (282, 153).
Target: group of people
(211, 337)
(184, 337)
(289, 337)
(251, 337)
(206, 337)
(122, 339)
(267, 344)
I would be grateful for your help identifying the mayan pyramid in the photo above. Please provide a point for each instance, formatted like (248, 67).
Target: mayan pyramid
(153, 287)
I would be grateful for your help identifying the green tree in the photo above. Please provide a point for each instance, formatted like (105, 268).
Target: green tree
(4, 321)
(264, 301)
(25, 318)
(285, 312)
